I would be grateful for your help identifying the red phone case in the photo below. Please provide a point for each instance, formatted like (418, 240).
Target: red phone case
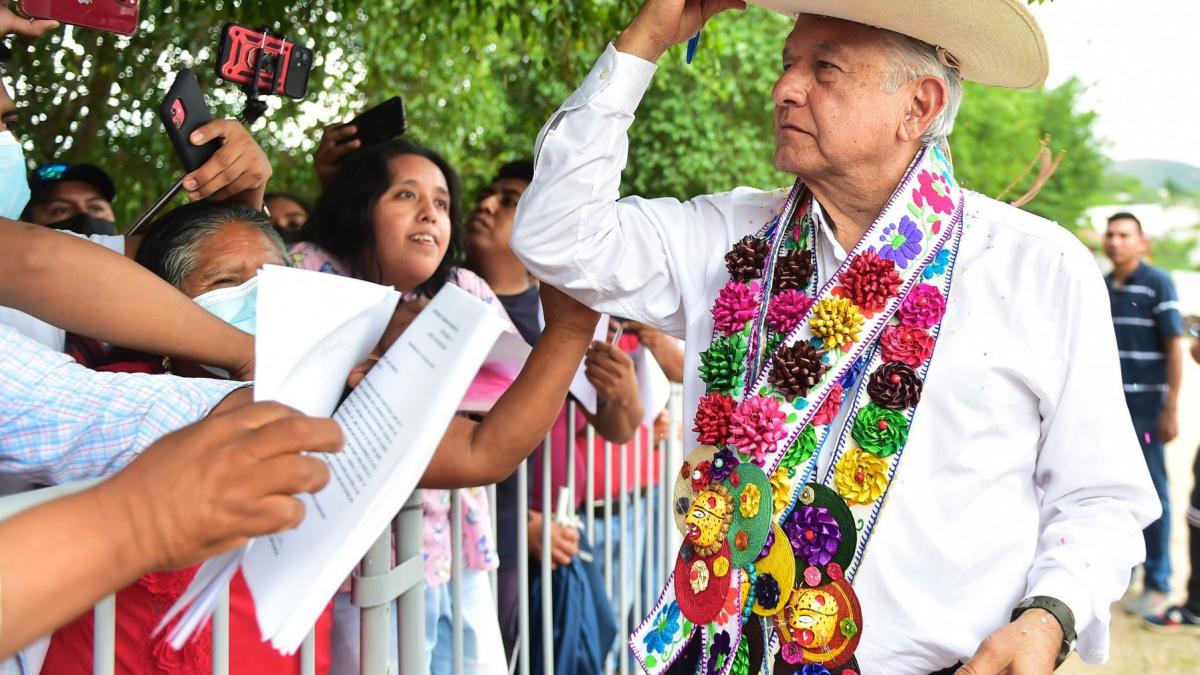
(113, 16)
(244, 45)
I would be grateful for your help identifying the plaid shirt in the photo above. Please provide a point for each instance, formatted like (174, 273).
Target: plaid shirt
(61, 422)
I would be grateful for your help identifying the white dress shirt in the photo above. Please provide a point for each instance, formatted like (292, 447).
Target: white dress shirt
(1022, 475)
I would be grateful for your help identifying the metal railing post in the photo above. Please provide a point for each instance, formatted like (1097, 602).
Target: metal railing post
(104, 638)
(522, 525)
(547, 598)
(626, 543)
(456, 572)
(410, 605)
(220, 635)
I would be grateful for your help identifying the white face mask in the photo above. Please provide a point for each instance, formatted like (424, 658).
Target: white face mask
(236, 305)
(14, 184)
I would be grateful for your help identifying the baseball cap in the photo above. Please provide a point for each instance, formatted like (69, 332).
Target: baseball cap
(45, 177)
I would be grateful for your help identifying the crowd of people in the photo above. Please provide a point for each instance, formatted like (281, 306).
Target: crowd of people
(813, 322)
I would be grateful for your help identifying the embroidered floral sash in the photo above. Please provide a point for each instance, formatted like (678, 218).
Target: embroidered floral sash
(764, 535)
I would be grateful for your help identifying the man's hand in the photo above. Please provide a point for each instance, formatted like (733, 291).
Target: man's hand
(239, 168)
(209, 487)
(564, 541)
(1168, 425)
(11, 24)
(611, 372)
(662, 24)
(1027, 646)
(337, 141)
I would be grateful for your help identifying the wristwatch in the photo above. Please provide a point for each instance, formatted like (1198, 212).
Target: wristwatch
(1062, 613)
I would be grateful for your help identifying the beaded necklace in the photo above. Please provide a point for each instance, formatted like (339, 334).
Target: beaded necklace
(764, 535)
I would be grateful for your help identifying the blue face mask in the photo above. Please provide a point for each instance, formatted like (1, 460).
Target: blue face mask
(14, 185)
(236, 305)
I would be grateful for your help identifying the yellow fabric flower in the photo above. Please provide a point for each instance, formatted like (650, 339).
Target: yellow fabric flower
(751, 498)
(721, 566)
(860, 476)
(781, 489)
(836, 320)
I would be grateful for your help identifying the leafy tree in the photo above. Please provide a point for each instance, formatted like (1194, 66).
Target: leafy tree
(479, 78)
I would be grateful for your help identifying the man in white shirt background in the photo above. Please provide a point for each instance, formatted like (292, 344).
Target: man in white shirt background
(1015, 519)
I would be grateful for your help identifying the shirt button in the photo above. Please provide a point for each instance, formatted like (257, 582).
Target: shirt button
(603, 75)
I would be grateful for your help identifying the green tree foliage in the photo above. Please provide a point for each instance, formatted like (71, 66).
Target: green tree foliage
(480, 77)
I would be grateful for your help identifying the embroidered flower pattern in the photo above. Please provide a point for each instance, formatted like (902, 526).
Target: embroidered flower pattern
(901, 242)
(938, 266)
(934, 191)
(860, 477)
(837, 321)
(666, 627)
(735, 305)
(719, 652)
(757, 427)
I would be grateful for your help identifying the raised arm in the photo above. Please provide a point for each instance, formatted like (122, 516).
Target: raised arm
(478, 453)
(85, 288)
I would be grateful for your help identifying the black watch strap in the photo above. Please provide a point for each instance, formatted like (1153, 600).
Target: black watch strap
(1062, 613)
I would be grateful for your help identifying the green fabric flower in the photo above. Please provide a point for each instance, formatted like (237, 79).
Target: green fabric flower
(880, 431)
(741, 662)
(722, 365)
(802, 448)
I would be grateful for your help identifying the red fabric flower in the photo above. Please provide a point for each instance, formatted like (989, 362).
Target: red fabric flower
(786, 310)
(829, 408)
(701, 476)
(870, 281)
(906, 344)
(735, 306)
(712, 419)
(923, 308)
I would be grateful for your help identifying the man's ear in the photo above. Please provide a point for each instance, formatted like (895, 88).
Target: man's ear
(928, 98)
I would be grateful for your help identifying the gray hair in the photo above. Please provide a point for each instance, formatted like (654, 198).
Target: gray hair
(910, 59)
(172, 248)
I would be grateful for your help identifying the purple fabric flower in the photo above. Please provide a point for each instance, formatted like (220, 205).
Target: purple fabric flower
(901, 242)
(814, 669)
(723, 464)
(814, 534)
(720, 647)
(770, 542)
(766, 590)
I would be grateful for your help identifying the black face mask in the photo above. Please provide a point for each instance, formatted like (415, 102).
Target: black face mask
(82, 223)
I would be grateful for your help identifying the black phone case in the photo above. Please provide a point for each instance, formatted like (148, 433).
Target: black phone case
(182, 112)
(381, 123)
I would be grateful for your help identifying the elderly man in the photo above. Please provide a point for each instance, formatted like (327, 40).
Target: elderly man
(1004, 521)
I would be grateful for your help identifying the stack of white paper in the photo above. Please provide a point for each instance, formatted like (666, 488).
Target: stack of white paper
(393, 422)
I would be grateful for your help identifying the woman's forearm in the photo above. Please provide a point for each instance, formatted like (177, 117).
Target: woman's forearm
(87, 289)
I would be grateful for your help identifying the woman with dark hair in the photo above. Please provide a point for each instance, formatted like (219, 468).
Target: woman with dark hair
(288, 212)
(211, 252)
(393, 215)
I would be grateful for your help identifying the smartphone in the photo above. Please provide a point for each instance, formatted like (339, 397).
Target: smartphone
(113, 16)
(182, 112)
(381, 123)
(285, 65)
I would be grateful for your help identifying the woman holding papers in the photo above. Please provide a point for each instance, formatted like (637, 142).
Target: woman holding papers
(211, 252)
(392, 215)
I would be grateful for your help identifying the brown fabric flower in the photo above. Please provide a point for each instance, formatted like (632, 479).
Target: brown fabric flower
(895, 386)
(797, 369)
(792, 271)
(745, 260)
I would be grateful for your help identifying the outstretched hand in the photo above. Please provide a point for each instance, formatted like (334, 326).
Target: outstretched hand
(662, 24)
(1027, 646)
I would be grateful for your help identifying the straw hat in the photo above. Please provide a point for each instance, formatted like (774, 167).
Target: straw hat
(995, 42)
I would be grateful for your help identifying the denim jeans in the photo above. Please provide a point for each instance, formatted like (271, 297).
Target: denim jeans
(1158, 533)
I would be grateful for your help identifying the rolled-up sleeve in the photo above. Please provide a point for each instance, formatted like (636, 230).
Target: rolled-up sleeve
(62, 422)
(1096, 494)
(632, 257)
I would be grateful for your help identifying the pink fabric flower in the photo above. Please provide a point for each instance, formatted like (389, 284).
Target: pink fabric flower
(829, 408)
(756, 428)
(735, 305)
(786, 310)
(933, 190)
(923, 307)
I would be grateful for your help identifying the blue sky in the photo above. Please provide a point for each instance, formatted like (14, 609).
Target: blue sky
(1141, 59)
